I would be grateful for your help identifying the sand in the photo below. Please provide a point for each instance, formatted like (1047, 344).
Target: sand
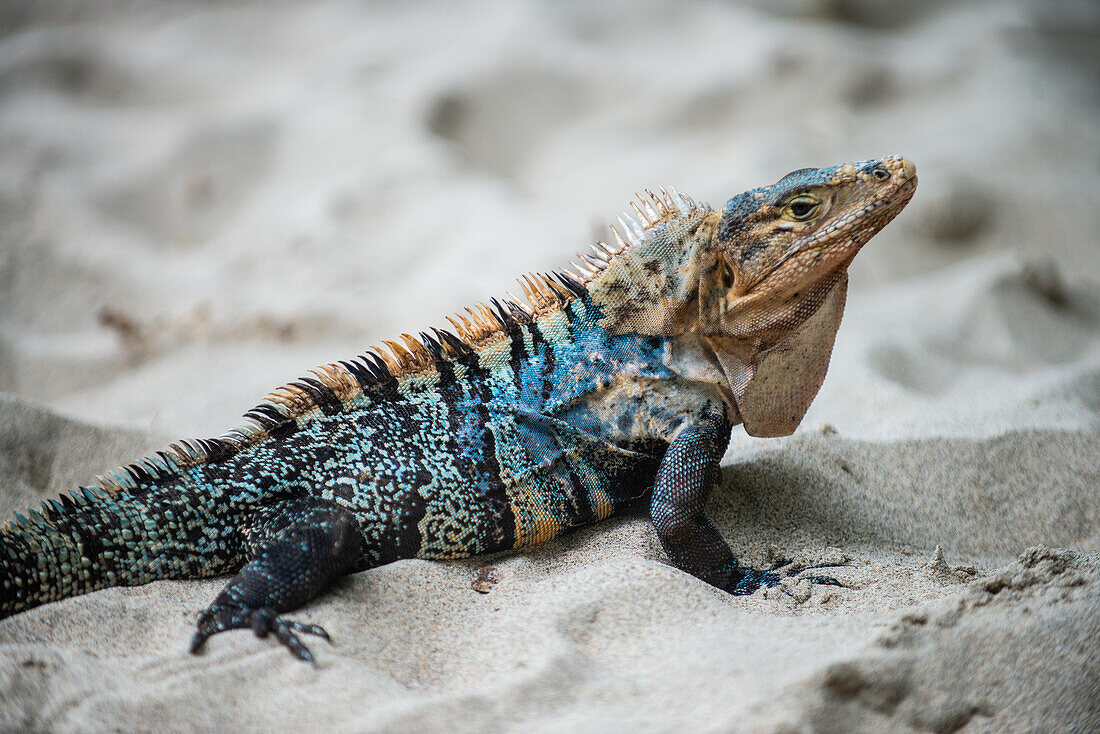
(198, 202)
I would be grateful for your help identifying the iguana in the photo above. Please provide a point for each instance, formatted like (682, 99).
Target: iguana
(616, 381)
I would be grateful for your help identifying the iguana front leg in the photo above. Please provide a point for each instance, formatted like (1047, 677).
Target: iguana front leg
(297, 550)
(688, 472)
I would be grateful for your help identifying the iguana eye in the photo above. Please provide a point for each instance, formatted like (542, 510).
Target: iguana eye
(803, 207)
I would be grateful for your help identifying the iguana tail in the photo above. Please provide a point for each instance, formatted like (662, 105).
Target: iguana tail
(96, 538)
(167, 516)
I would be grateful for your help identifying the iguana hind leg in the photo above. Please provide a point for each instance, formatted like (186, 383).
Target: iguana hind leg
(297, 550)
(688, 473)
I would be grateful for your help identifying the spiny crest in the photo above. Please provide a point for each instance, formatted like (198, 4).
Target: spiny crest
(543, 292)
(650, 211)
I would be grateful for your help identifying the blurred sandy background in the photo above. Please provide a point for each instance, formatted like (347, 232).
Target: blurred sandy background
(200, 201)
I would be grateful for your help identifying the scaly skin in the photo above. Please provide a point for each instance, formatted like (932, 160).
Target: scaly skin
(620, 381)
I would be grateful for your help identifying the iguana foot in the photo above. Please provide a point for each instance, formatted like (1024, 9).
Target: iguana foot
(824, 581)
(260, 621)
(747, 580)
(795, 570)
(298, 549)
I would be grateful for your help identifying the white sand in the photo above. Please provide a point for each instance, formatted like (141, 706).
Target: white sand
(199, 202)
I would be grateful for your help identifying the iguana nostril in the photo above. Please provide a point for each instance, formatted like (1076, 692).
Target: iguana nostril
(880, 174)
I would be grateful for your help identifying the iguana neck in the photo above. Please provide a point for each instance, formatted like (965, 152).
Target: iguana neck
(652, 288)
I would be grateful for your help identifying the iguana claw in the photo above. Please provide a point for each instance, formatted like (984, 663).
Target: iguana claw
(262, 622)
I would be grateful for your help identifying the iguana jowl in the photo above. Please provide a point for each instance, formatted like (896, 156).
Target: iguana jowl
(617, 381)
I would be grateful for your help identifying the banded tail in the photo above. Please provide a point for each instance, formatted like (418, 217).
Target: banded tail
(94, 538)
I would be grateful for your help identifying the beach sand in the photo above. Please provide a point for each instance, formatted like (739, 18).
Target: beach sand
(199, 202)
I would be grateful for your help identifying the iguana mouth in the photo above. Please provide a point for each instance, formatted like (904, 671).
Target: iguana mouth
(897, 198)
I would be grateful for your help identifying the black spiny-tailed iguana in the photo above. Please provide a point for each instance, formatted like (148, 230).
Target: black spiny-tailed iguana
(618, 381)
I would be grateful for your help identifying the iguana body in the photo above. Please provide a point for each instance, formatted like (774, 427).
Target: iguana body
(619, 381)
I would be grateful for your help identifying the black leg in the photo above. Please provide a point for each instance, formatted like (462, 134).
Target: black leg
(297, 550)
(688, 473)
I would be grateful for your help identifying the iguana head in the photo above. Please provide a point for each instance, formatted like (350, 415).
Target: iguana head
(763, 281)
(777, 247)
